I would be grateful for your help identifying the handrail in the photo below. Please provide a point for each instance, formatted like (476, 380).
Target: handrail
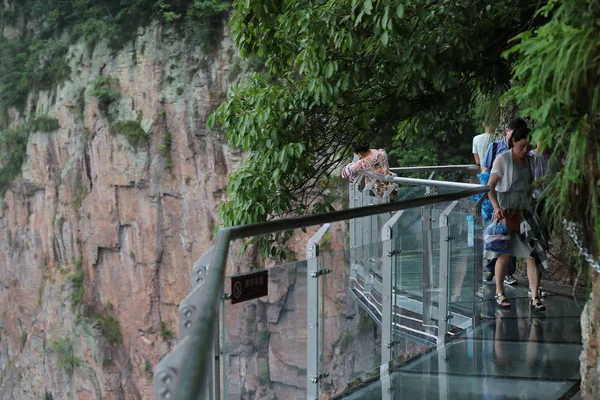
(420, 182)
(194, 371)
(436, 168)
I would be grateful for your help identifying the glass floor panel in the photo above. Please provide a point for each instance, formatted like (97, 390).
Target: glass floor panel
(558, 306)
(510, 354)
(503, 359)
(410, 386)
(548, 330)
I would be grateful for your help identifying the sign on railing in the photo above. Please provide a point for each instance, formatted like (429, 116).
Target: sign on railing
(249, 286)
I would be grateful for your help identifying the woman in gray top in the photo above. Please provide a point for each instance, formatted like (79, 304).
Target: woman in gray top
(510, 193)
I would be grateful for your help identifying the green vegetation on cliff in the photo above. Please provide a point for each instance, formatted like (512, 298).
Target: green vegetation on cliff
(66, 355)
(116, 20)
(400, 74)
(416, 76)
(35, 44)
(13, 147)
(34, 50)
(30, 65)
(557, 75)
(133, 131)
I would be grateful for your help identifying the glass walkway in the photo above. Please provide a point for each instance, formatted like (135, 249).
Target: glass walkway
(388, 303)
(515, 354)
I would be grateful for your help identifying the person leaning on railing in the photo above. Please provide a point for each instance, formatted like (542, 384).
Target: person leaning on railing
(369, 160)
(511, 184)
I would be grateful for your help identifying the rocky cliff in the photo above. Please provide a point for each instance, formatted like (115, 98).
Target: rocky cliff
(117, 198)
(98, 235)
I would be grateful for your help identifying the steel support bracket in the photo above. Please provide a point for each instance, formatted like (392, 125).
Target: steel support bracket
(319, 378)
(320, 273)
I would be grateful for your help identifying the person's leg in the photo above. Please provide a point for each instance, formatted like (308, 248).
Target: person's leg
(501, 266)
(490, 270)
(512, 266)
(534, 275)
(510, 270)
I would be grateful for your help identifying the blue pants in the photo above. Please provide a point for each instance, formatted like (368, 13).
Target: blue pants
(512, 266)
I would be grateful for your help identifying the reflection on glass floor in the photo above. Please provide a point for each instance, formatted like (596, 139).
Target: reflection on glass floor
(511, 354)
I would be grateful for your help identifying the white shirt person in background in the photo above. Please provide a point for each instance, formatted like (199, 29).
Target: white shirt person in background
(480, 144)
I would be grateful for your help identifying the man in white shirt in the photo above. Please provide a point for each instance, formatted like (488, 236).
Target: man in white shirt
(480, 144)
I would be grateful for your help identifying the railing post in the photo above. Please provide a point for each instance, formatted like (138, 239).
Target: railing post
(387, 335)
(443, 279)
(312, 320)
(358, 225)
(444, 290)
(367, 226)
(388, 277)
(352, 204)
(427, 254)
(313, 375)
(478, 255)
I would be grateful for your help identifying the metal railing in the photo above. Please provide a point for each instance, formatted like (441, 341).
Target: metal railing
(185, 375)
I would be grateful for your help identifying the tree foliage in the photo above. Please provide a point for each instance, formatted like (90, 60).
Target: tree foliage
(114, 20)
(34, 54)
(30, 65)
(394, 72)
(13, 147)
(558, 86)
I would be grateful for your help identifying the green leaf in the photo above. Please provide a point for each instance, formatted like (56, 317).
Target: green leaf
(368, 7)
(384, 38)
(329, 70)
(211, 121)
(400, 10)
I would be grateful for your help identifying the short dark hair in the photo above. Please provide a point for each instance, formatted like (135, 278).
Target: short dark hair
(516, 123)
(519, 134)
(361, 147)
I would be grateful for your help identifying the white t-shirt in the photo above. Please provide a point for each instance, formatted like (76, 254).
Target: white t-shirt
(480, 145)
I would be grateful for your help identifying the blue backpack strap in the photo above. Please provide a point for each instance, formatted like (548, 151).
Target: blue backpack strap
(494, 151)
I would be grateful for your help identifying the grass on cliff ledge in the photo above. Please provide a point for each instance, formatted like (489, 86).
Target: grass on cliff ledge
(13, 147)
(66, 355)
(76, 279)
(111, 328)
(132, 130)
(107, 90)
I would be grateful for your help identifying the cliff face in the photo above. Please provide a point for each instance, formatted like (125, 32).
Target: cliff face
(99, 232)
(97, 236)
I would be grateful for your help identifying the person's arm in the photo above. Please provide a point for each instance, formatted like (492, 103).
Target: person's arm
(487, 160)
(350, 170)
(475, 155)
(498, 170)
(494, 179)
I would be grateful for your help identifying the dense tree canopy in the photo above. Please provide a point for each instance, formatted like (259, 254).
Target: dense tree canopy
(114, 20)
(400, 73)
(558, 87)
(417, 76)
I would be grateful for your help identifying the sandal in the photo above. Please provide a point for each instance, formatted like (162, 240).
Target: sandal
(537, 305)
(501, 300)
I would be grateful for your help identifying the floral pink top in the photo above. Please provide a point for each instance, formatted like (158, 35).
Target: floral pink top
(376, 162)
